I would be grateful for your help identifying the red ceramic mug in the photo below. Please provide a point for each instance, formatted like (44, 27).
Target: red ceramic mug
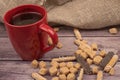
(30, 41)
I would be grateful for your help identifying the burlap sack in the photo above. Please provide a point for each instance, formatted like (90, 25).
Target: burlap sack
(8, 4)
(85, 14)
(48, 4)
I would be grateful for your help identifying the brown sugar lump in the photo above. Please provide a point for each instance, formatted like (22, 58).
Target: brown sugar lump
(36, 76)
(34, 63)
(43, 71)
(55, 78)
(113, 30)
(111, 63)
(59, 45)
(95, 69)
(71, 76)
(82, 53)
(102, 53)
(100, 75)
(62, 77)
(54, 64)
(77, 65)
(53, 71)
(77, 34)
(62, 64)
(42, 64)
(64, 70)
(97, 59)
(73, 70)
(89, 61)
(69, 64)
(94, 46)
(112, 71)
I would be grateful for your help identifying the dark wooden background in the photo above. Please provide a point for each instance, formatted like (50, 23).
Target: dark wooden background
(13, 68)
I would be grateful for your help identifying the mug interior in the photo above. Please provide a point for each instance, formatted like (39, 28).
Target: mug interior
(24, 8)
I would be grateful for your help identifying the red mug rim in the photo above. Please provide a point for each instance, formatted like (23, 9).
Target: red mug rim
(27, 5)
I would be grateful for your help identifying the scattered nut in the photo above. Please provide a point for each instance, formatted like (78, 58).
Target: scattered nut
(77, 42)
(94, 46)
(73, 70)
(59, 45)
(100, 75)
(89, 61)
(34, 64)
(112, 71)
(111, 63)
(62, 64)
(43, 71)
(69, 64)
(77, 65)
(71, 76)
(56, 29)
(97, 59)
(113, 30)
(82, 53)
(80, 77)
(87, 49)
(53, 71)
(64, 70)
(36, 76)
(102, 53)
(63, 59)
(55, 78)
(50, 42)
(95, 69)
(42, 64)
(54, 64)
(62, 77)
(84, 41)
(77, 34)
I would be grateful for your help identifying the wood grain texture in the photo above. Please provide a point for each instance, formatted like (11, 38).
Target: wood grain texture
(108, 43)
(68, 31)
(13, 68)
(21, 70)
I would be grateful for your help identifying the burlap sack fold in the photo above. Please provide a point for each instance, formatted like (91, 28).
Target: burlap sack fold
(85, 14)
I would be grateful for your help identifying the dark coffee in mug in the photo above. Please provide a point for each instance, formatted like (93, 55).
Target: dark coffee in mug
(25, 18)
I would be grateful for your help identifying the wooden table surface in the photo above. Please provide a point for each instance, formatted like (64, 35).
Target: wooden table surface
(13, 68)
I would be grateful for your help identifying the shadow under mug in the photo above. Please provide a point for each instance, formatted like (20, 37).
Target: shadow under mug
(30, 41)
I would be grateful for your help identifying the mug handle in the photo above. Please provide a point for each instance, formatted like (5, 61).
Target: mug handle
(52, 34)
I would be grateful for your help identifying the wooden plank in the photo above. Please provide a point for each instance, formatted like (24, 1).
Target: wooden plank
(21, 70)
(2, 30)
(108, 43)
(68, 31)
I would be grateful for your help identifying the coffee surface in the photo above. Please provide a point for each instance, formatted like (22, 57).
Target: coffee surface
(25, 18)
